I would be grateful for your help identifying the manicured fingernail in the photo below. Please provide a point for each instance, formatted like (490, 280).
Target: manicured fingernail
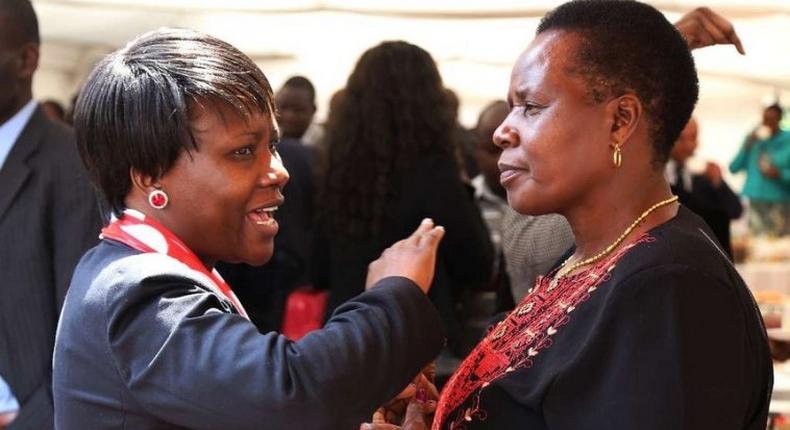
(427, 220)
(421, 395)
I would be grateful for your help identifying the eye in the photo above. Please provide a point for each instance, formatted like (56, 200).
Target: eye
(245, 151)
(529, 109)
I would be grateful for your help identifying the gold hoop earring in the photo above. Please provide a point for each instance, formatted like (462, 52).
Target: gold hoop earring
(617, 156)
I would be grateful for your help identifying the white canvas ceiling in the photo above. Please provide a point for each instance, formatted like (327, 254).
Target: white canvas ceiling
(474, 43)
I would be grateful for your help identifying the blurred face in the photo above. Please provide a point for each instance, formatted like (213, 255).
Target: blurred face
(221, 195)
(555, 144)
(10, 67)
(487, 153)
(771, 119)
(295, 111)
(686, 144)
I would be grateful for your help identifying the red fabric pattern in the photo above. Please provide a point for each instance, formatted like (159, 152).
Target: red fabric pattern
(514, 343)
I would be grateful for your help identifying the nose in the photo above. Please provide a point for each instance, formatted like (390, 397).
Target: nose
(505, 136)
(275, 175)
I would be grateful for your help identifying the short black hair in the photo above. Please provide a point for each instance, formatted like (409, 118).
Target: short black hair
(21, 20)
(776, 107)
(303, 83)
(135, 109)
(626, 46)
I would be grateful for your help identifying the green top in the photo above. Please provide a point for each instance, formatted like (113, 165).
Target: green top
(758, 186)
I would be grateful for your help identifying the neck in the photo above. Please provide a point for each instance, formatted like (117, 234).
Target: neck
(619, 206)
(173, 227)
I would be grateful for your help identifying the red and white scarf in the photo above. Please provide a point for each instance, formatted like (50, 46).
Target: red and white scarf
(145, 234)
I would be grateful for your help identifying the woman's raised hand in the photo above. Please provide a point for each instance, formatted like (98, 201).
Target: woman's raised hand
(413, 258)
(703, 27)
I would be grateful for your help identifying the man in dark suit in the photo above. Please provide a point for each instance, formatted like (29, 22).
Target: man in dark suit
(705, 194)
(48, 218)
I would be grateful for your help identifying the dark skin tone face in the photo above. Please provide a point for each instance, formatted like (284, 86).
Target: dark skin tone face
(557, 147)
(214, 192)
(771, 119)
(295, 110)
(487, 153)
(18, 62)
(543, 168)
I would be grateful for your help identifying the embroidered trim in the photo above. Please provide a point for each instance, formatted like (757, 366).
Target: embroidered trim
(514, 343)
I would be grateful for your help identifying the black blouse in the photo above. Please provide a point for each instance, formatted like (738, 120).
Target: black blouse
(663, 334)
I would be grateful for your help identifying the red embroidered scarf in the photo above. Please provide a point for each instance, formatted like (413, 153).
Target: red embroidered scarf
(145, 234)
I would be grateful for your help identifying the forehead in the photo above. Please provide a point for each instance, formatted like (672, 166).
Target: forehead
(294, 94)
(547, 66)
(217, 117)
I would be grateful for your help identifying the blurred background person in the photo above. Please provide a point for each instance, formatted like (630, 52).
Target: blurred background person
(392, 161)
(464, 139)
(491, 200)
(296, 109)
(706, 194)
(48, 217)
(765, 157)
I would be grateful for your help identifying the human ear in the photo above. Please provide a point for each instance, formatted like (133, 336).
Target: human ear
(625, 111)
(143, 182)
(28, 60)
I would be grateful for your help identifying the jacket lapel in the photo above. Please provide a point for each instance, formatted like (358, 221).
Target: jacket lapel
(15, 170)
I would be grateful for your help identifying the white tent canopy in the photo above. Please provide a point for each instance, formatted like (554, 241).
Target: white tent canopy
(474, 42)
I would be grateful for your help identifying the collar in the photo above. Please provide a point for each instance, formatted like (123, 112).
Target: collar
(11, 129)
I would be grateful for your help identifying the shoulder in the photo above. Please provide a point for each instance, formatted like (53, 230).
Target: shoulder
(113, 277)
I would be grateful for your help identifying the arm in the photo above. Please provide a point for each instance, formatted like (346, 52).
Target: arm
(741, 160)
(674, 348)
(190, 364)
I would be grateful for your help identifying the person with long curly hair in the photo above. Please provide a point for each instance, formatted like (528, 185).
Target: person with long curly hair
(392, 162)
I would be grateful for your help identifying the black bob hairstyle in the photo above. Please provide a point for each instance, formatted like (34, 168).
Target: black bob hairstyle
(630, 47)
(134, 111)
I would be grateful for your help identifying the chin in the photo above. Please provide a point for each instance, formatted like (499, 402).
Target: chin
(528, 204)
(258, 256)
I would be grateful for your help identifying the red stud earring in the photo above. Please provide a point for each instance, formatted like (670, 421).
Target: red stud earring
(157, 199)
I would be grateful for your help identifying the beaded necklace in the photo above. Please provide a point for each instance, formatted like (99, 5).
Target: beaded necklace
(562, 270)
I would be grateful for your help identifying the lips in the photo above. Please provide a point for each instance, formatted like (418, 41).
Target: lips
(510, 171)
(263, 215)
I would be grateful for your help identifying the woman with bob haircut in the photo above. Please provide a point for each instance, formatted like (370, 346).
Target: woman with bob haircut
(177, 130)
(644, 323)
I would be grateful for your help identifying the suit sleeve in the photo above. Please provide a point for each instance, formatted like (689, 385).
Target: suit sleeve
(192, 365)
(659, 358)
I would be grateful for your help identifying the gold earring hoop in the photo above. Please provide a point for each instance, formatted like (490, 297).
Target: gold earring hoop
(617, 156)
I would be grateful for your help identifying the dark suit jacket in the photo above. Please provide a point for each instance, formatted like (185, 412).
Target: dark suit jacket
(48, 218)
(146, 343)
(717, 206)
